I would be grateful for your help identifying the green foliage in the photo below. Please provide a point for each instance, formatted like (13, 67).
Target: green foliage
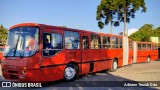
(113, 11)
(129, 8)
(3, 35)
(107, 10)
(145, 33)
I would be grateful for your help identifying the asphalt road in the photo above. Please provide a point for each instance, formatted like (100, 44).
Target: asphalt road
(98, 81)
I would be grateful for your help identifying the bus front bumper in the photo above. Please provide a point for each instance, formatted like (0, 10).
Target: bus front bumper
(14, 74)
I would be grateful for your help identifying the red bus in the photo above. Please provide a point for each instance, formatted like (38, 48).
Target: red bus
(38, 52)
(146, 51)
(1, 52)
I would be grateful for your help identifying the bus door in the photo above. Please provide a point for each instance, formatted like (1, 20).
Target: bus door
(72, 46)
(85, 49)
(87, 65)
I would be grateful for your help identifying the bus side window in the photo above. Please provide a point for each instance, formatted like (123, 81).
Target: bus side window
(152, 46)
(71, 40)
(85, 42)
(46, 44)
(92, 41)
(144, 46)
(155, 47)
(95, 41)
(115, 42)
(106, 42)
(99, 42)
(139, 46)
(148, 46)
(120, 40)
(52, 44)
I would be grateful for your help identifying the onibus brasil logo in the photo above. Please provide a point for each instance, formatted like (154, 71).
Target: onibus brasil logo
(18, 84)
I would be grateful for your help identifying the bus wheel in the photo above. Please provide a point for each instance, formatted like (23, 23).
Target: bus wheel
(70, 72)
(148, 59)
(114, 66)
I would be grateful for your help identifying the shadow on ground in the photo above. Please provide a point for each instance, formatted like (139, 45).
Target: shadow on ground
(99, 80)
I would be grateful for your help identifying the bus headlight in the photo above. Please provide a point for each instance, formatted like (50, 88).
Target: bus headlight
(24, 67)
(3, 70)
(24, 71)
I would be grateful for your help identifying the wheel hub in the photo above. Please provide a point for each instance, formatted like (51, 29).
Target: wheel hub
(69, 72)
(115, 65)
(148, 59)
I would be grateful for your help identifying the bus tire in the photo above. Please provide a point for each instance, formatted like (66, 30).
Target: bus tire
(114, 66)
(148, 59)
(70, 72)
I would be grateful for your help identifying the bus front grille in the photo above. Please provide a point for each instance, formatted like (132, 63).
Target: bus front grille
(14, 77)
(12, 71)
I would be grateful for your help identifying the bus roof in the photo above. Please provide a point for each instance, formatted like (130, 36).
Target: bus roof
(146, 42)
(24, 24)
(59, 27)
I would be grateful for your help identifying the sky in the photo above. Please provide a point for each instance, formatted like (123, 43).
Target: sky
(79, 14)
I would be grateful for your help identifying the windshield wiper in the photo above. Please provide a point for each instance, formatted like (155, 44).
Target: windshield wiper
(9, 52)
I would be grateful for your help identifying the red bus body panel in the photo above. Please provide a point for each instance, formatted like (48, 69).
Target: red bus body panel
(49, 68)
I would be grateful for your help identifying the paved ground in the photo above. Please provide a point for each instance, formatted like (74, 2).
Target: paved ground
(136, 72)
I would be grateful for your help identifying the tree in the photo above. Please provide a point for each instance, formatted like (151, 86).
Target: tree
(122, 10)
(158, 28)
(156, 33)
(145, 33)
(3, 35)
(127, 10)
(107, 10)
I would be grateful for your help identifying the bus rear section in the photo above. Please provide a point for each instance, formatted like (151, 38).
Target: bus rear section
(146, 52)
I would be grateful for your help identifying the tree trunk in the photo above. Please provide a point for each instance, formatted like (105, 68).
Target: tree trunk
(111, 28)
(111, 33)
(125, 34)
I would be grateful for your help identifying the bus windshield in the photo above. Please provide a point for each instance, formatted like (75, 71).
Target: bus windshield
(22, 41)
